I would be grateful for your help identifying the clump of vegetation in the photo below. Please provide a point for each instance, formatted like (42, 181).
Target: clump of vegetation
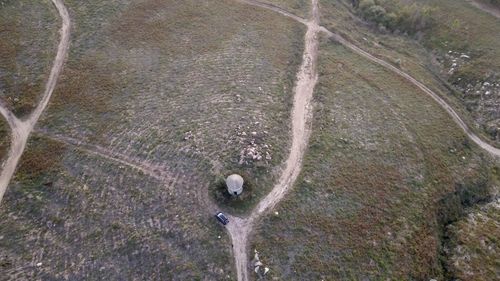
(473, 248)
(396, 16)
(495, 2)
(41, 157)
(235, 204)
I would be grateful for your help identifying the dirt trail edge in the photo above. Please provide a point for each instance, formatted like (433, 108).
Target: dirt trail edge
(488, 8)
(21, 129)
(240, 228)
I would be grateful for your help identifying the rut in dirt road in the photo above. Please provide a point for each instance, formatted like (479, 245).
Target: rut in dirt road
(21, 129)
(240, 228)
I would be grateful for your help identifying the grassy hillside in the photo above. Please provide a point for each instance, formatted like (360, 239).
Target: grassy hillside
(460, 42)
(29, 32)
(195, 89)
(380, 159)
(197, 86)
(74, 215)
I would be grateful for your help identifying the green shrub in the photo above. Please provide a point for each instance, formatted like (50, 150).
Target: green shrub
(393, 15)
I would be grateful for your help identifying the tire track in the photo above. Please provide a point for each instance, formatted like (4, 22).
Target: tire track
(485, 7)
(157, 172)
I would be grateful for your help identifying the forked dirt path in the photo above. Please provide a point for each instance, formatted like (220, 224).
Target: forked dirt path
(484, 145)
(240, 228)
(488, 8)
(155, 171)
(21, 129)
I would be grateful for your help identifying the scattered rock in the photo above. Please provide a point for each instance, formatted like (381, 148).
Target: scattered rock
(188, 136)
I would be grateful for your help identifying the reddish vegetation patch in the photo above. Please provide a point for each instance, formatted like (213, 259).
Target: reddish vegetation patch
(86, 86)
(161, 24)
(40, 157)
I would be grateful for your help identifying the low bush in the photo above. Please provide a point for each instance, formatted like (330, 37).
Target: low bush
(395, 16)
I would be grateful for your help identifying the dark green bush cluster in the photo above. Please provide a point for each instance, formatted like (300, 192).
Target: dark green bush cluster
(396, 16)
(495, 2)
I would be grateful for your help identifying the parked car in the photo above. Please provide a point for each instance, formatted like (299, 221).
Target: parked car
(222, 218)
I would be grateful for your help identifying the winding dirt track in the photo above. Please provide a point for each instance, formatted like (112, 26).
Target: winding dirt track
(240, 228)
(155, 171)
(488, 8)
(21, 129)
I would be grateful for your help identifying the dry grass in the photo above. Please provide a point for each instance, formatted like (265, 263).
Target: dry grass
(176, 84)
(152, 78)
(366, 204)
(427, 58)
(29, 38)
(98, 219)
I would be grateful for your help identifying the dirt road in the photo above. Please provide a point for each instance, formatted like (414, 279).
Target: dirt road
(21, 129)
(240, 228)
(275, 9)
